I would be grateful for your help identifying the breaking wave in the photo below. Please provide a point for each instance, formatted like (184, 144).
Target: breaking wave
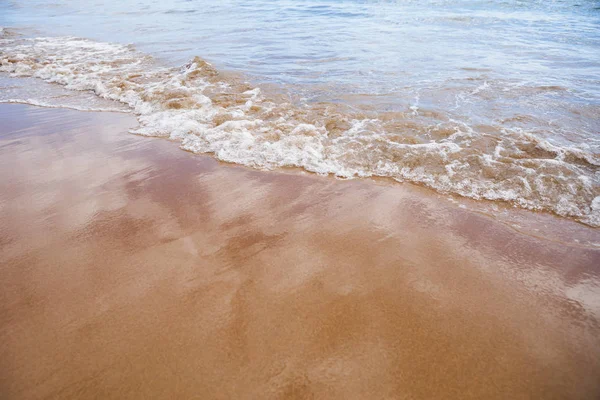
(209, 111)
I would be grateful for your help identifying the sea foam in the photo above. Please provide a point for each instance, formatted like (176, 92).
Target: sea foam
(209, 112)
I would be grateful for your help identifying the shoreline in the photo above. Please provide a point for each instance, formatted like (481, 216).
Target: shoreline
(210, 112)
(133, 269)
(521, 219)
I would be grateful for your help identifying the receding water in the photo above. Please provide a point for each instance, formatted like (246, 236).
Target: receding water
(487, 99)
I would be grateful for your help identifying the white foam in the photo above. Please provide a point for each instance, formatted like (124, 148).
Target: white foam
(40, 103)
(209, 114)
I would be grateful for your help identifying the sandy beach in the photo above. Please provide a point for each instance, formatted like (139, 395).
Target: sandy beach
(132, 270)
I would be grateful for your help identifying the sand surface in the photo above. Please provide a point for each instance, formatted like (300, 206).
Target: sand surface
(132, 270)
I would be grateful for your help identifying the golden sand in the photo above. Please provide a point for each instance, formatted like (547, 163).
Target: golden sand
(133, 270)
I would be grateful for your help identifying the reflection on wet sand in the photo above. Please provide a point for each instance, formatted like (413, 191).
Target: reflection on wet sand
(131, 269)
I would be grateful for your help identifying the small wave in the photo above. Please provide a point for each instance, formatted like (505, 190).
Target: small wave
(39, 103)
(181, 11)
(211, 112)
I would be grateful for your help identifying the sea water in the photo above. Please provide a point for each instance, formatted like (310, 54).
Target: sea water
(496, 100)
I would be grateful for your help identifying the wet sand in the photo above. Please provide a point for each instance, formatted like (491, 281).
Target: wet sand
(133, 270)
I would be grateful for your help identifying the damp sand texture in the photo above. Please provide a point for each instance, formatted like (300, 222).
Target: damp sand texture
(133, 270)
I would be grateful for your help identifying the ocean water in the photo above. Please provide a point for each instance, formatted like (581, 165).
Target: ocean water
(496, 100)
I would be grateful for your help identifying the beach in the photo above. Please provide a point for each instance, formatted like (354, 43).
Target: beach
(132, 269)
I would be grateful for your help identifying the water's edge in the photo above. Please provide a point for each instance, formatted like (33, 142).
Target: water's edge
(211, 112)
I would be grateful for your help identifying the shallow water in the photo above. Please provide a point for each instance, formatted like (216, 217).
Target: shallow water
(494, 100)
